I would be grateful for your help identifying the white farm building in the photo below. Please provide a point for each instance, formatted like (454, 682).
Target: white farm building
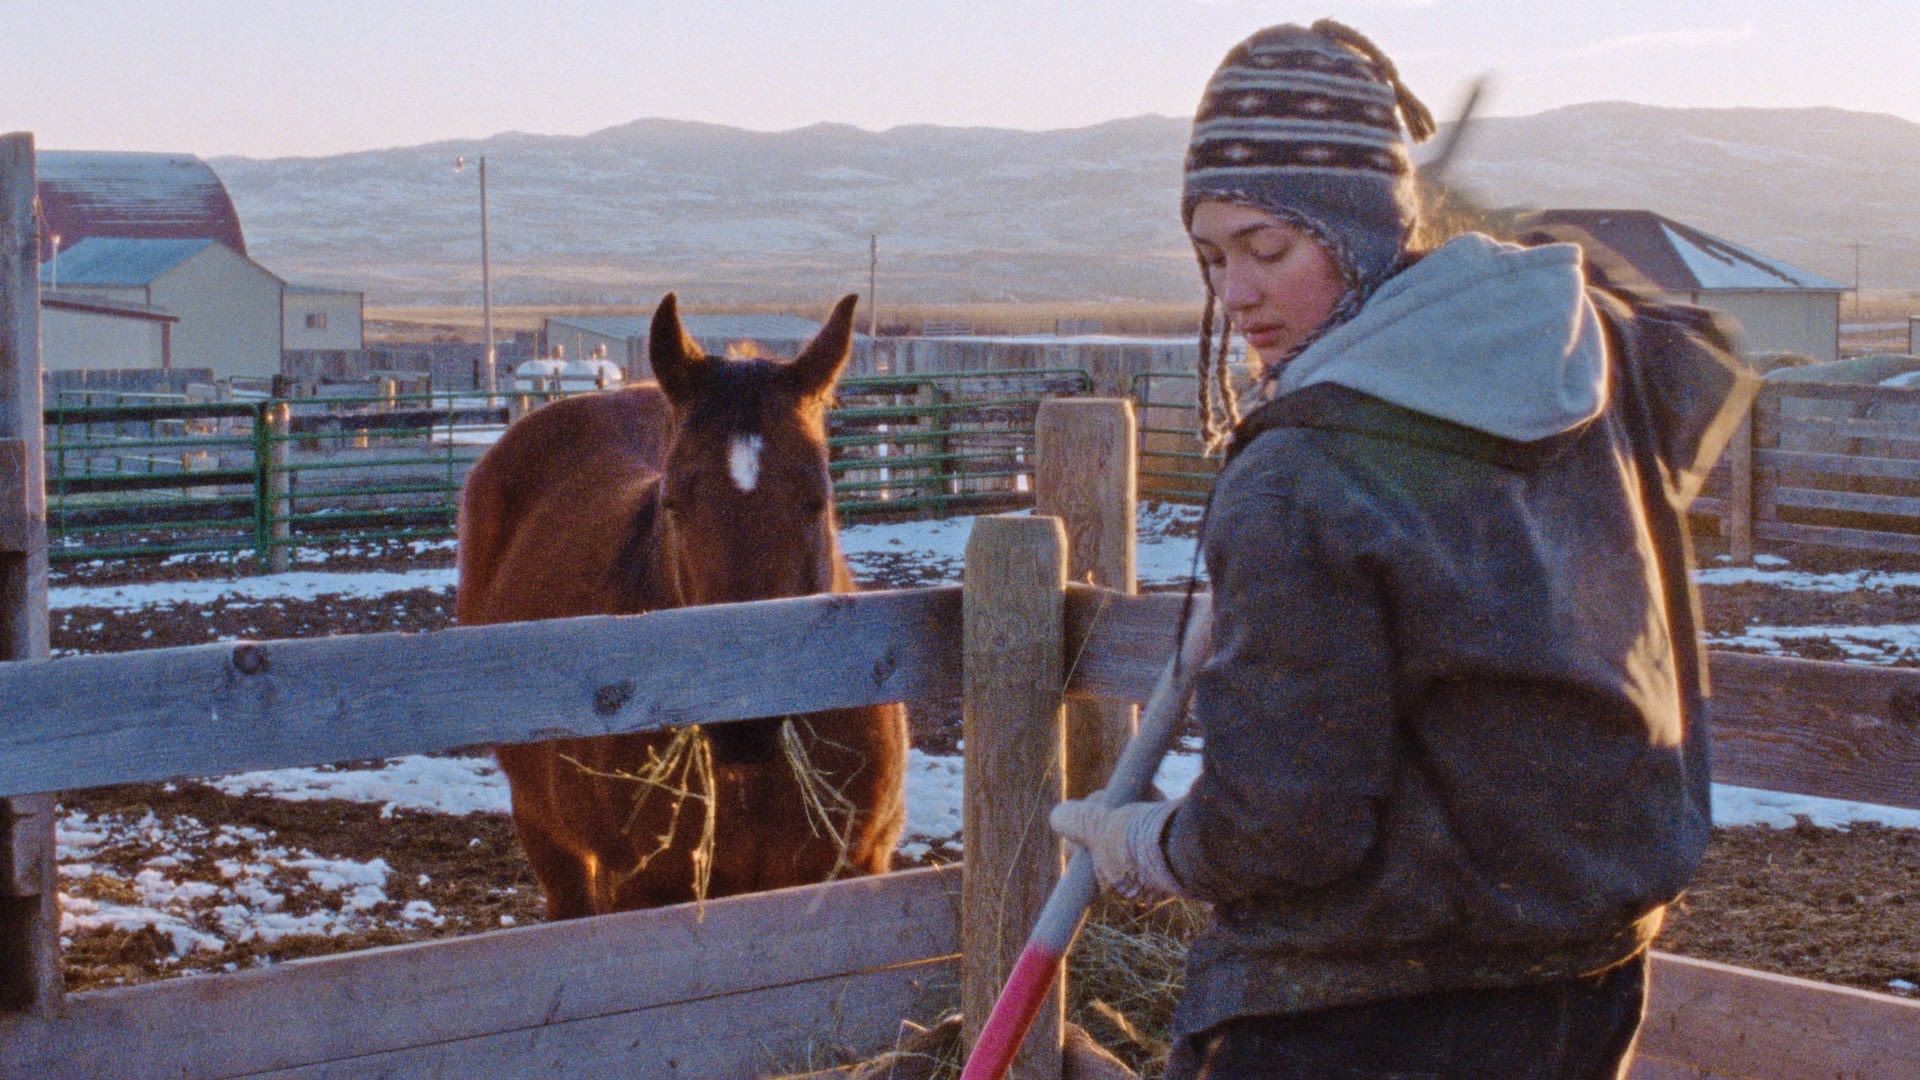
(77, 332)
(227, 305)
(143, 264)
(321, 318)
(1780, 308)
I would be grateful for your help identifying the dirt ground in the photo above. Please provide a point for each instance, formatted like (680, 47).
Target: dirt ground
(1838, 906)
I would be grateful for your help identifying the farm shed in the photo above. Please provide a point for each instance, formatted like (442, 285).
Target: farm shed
(1780, 308)
(79, 333)
(228, 305)
(92, 193)
(320, 318)
(623, 338)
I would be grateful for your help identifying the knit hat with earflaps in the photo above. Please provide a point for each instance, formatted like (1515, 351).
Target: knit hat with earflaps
(1305, 123)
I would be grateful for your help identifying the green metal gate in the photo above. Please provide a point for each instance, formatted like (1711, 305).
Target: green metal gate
(1174, 466)
(157, 475)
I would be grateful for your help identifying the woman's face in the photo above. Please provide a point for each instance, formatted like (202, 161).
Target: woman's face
(1275, 280)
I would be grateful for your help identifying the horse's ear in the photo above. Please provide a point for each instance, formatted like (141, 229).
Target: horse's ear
(677, 360)
(812, 373)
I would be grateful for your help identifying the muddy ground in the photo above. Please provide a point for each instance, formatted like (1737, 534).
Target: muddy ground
(1838, 906)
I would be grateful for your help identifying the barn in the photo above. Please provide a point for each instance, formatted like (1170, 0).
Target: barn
(140, 196)
(322, 318)
(227, 305)
(1780, 308)
(623, 338)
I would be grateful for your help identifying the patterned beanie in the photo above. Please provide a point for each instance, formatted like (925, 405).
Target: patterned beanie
(1304, 123)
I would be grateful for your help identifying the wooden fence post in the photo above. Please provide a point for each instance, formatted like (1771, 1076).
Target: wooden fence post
(279, 488)
(1084, 474)
(1013, 639)
(30, 977)
(1740, 492)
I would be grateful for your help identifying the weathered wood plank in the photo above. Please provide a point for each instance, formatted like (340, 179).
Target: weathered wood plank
(1119, 643)
(510, 988)
(1817, 499)
(1850, 539)
(1842, 731)
(84, 721)
(1084, 474)
(16, 528)
(30, 911)
(1776, 392)
(1839, 464)
(742, 1037)
(1843, 427)
(1738, 506)
(1012, 721)
(1753, 1024)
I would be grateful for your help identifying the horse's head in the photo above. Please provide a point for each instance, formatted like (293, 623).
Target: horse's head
(748, 502)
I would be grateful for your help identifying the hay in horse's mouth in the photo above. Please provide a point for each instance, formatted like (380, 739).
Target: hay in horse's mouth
(684, 771)
(820, 798)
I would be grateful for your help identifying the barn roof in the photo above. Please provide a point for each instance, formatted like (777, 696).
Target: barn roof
(95, 193)
(1675, 257)
(733, 327)
(110, 261)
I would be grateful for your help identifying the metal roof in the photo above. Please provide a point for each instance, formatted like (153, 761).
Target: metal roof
(1675, 257)
(90, 306)
(733, 327)
(92, 193)
(107, 261)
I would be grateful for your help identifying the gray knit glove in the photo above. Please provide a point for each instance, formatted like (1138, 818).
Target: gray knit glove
(1124, 842)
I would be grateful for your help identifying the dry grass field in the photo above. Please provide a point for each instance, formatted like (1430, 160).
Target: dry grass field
(1140, 317)
(1874, 309)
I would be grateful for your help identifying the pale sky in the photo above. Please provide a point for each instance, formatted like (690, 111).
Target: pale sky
(272, 78)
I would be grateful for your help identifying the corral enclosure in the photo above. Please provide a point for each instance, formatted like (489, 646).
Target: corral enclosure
(842, 958)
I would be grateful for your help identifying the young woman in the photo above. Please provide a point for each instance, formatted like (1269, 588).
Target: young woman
(1454, 763)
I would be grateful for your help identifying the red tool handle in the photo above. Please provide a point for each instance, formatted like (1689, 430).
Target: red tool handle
(1053, 932)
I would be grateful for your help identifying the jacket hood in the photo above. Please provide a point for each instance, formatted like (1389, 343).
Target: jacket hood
(1494, 337)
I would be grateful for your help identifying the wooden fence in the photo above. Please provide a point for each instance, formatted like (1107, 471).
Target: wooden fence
(745, 984)
(1827, 464)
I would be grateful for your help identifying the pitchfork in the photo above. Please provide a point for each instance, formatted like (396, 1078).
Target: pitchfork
(1053, 932)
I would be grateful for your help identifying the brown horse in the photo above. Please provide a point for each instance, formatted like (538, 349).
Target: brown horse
(709, 487)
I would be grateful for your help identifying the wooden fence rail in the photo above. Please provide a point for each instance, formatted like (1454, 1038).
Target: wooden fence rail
(1822, 464)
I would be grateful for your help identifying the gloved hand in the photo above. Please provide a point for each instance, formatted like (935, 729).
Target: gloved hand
(1124, 842)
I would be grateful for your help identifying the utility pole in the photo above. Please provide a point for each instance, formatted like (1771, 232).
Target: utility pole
(1857, 245)
(487, 375)
(486, 285)
(873, 277)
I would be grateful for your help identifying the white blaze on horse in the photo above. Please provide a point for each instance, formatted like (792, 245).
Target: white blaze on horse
(708, 487)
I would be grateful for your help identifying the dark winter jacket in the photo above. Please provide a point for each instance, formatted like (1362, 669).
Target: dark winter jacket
(1454, 721)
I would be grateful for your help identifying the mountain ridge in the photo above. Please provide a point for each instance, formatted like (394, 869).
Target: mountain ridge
(991, 214)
